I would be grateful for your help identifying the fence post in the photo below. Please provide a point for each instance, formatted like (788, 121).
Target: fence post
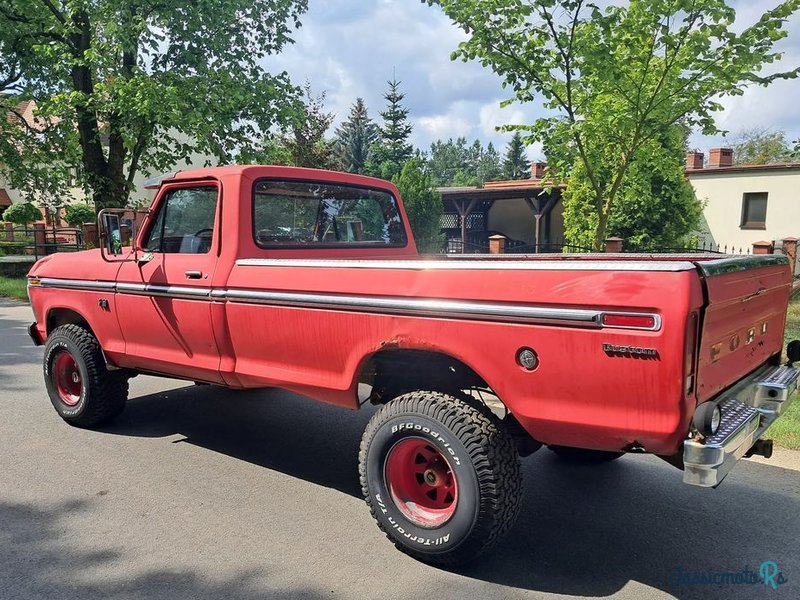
(9, 227)
(763, 247)
(790, 250)
(614, 244)
(90, 234)
(39, 239)
(497, 244)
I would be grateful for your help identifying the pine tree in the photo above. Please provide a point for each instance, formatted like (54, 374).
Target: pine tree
(515, 163)
(393, 149)
(489, 166)
(355, 137)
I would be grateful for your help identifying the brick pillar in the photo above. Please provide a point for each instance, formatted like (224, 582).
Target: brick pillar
(90, 234)
(39, 238)
(614, 245)
(9, 227)
(763, 248)
(497, 244)
(790, 250)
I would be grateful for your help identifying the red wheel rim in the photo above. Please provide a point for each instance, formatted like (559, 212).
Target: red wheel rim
(68, 378)
(421, 482)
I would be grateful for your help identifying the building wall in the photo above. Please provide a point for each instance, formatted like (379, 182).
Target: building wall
(515, 219)
(723, 194)
(196, 161)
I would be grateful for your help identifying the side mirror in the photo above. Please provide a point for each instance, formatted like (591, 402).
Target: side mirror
(110, 233)
(113, 234)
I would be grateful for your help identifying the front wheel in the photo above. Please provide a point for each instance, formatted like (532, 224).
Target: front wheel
(442, 479)
(83, 391)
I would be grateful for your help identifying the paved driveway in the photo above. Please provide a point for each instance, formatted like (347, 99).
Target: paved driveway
(197, 492)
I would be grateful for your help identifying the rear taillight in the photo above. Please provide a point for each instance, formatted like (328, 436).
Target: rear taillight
(631, 321)
(690, 353)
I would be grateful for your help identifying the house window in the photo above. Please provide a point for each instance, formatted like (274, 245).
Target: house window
(754, 210)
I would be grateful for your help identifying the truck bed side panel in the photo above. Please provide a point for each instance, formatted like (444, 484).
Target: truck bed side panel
(579, 395)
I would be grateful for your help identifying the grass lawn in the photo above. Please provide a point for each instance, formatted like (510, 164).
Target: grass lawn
(786, 431)
(14, 287)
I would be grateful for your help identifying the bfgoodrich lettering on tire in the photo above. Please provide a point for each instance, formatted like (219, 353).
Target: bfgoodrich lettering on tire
(441, 478)
(83, 391)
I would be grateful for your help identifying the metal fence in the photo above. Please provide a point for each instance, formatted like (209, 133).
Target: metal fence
(701, 246)
(38, 241)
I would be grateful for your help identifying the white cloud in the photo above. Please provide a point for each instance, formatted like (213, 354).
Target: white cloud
(444, 126)
(493, 116)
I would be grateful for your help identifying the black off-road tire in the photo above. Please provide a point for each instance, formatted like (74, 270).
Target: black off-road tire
(482, 460)
(103, 393)
(582, 456)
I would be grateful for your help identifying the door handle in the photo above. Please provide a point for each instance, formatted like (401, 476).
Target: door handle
(194, 274)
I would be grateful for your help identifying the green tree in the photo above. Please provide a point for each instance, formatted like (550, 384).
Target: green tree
(453, 163)
(656, 207)
(305, 141)
(22, 213)
(130, 85)
(760, 146)
(611, 79)
(423, 205)
(77, 214)
(489, 165)
(393, 149)
(515, 162)
(355, 137)
(446, 160)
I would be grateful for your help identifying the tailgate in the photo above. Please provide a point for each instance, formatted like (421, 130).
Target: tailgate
(744, 319)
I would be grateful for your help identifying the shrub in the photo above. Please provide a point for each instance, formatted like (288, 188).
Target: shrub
(77, 214)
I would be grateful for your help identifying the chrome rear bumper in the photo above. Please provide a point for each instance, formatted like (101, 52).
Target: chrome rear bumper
(748, 409)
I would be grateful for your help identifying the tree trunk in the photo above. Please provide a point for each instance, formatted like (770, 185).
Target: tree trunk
(600, 231)
(105, 177)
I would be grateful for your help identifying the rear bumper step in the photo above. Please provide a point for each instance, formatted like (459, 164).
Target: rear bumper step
(748, 409)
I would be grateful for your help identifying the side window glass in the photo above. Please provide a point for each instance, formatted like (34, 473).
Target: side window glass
(287, 213)
(185, 222)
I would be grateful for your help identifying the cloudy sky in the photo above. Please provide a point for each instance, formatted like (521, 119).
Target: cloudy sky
(350, 48)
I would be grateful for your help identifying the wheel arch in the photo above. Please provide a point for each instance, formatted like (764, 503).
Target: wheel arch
(395, 371)
(59, 315)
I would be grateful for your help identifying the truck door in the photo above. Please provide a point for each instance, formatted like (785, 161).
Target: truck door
(163, 299)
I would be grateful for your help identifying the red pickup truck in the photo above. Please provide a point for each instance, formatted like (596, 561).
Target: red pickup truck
(309, 280)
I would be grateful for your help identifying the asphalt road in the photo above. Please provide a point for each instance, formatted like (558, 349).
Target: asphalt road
(197, 492)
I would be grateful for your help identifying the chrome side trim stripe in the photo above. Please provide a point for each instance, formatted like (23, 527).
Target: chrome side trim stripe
(388, 305)
(78, 284)
(426, 308)
(482, 264)
(164, 291)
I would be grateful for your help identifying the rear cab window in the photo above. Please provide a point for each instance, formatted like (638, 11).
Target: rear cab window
(305, 214)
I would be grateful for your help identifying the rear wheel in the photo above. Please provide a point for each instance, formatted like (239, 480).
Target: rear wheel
(82, 390)
(441, 478)
(584, 456)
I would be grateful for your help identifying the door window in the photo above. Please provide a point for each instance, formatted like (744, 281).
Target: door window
(185, 222)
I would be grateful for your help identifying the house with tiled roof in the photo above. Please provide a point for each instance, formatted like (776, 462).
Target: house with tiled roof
(8, 195)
